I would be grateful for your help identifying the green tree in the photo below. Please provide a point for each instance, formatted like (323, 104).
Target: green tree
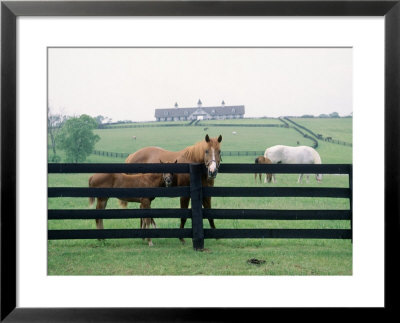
(54, 124)
(334, 115)
(76, 137)
(99, 119)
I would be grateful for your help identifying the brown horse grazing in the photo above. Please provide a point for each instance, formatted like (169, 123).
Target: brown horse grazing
(207, 151)
(121, 180)
(263, 160)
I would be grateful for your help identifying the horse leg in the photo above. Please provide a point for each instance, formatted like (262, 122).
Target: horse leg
(123, 204)
(101, 205)
(268, 178)
(146, 225)
(308, 178)
(145, 222)
(142, 224)
(184, 205)
(207, 205)
(300, 178)
(99, 224)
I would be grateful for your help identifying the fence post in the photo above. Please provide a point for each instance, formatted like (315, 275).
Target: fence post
(196, 194)
(351, 200)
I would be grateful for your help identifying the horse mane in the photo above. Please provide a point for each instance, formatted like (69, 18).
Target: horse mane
(195, 152)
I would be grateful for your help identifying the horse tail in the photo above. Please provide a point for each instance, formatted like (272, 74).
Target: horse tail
(317, 160)
(269, 178)
(91, 201)
(257, 161)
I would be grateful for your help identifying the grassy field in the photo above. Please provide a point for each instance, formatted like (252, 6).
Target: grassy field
(177, 138)
(225, 256)
(339, 129)
(149, 123)
(243, 121)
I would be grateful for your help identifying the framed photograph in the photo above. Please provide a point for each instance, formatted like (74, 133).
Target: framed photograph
(263, 49)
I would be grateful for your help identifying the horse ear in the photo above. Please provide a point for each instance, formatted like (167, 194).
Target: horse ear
(176, 160)
(161, 161)
(219, 138)
(207, 138)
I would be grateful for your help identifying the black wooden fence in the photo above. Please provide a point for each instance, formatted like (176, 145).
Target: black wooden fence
(196, 212)
(319, 136)
(223, 153)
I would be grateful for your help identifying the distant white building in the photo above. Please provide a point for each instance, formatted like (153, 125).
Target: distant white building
(221, 112)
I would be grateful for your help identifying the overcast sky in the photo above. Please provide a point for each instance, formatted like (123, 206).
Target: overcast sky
(129, 83)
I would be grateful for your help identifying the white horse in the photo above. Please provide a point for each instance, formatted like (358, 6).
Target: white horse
(280, 154)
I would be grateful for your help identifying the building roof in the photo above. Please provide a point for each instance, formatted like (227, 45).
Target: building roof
(213, 111)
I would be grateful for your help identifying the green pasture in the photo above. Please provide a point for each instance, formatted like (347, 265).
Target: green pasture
(177, 138)
(148, 123)
(337, 128)
(233, 122)
(223, 256)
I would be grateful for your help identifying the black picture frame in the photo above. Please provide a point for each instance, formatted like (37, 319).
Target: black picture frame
(10, 10)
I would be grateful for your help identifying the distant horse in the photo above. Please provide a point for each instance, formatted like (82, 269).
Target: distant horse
(263, 160)
(207, 151)
(280, 154)
(121, 180)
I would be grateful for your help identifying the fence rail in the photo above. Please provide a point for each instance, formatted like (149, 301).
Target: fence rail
(223, 153)
(196, 192)
(118, 192)
(253, 125)
(234, 214)
(319, 136)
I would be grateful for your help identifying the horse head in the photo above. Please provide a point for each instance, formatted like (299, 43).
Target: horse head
(212, 155)
(168, 178)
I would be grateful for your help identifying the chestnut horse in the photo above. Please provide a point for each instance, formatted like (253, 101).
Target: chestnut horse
(121, 180)
(207, 151)
(263, 160)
